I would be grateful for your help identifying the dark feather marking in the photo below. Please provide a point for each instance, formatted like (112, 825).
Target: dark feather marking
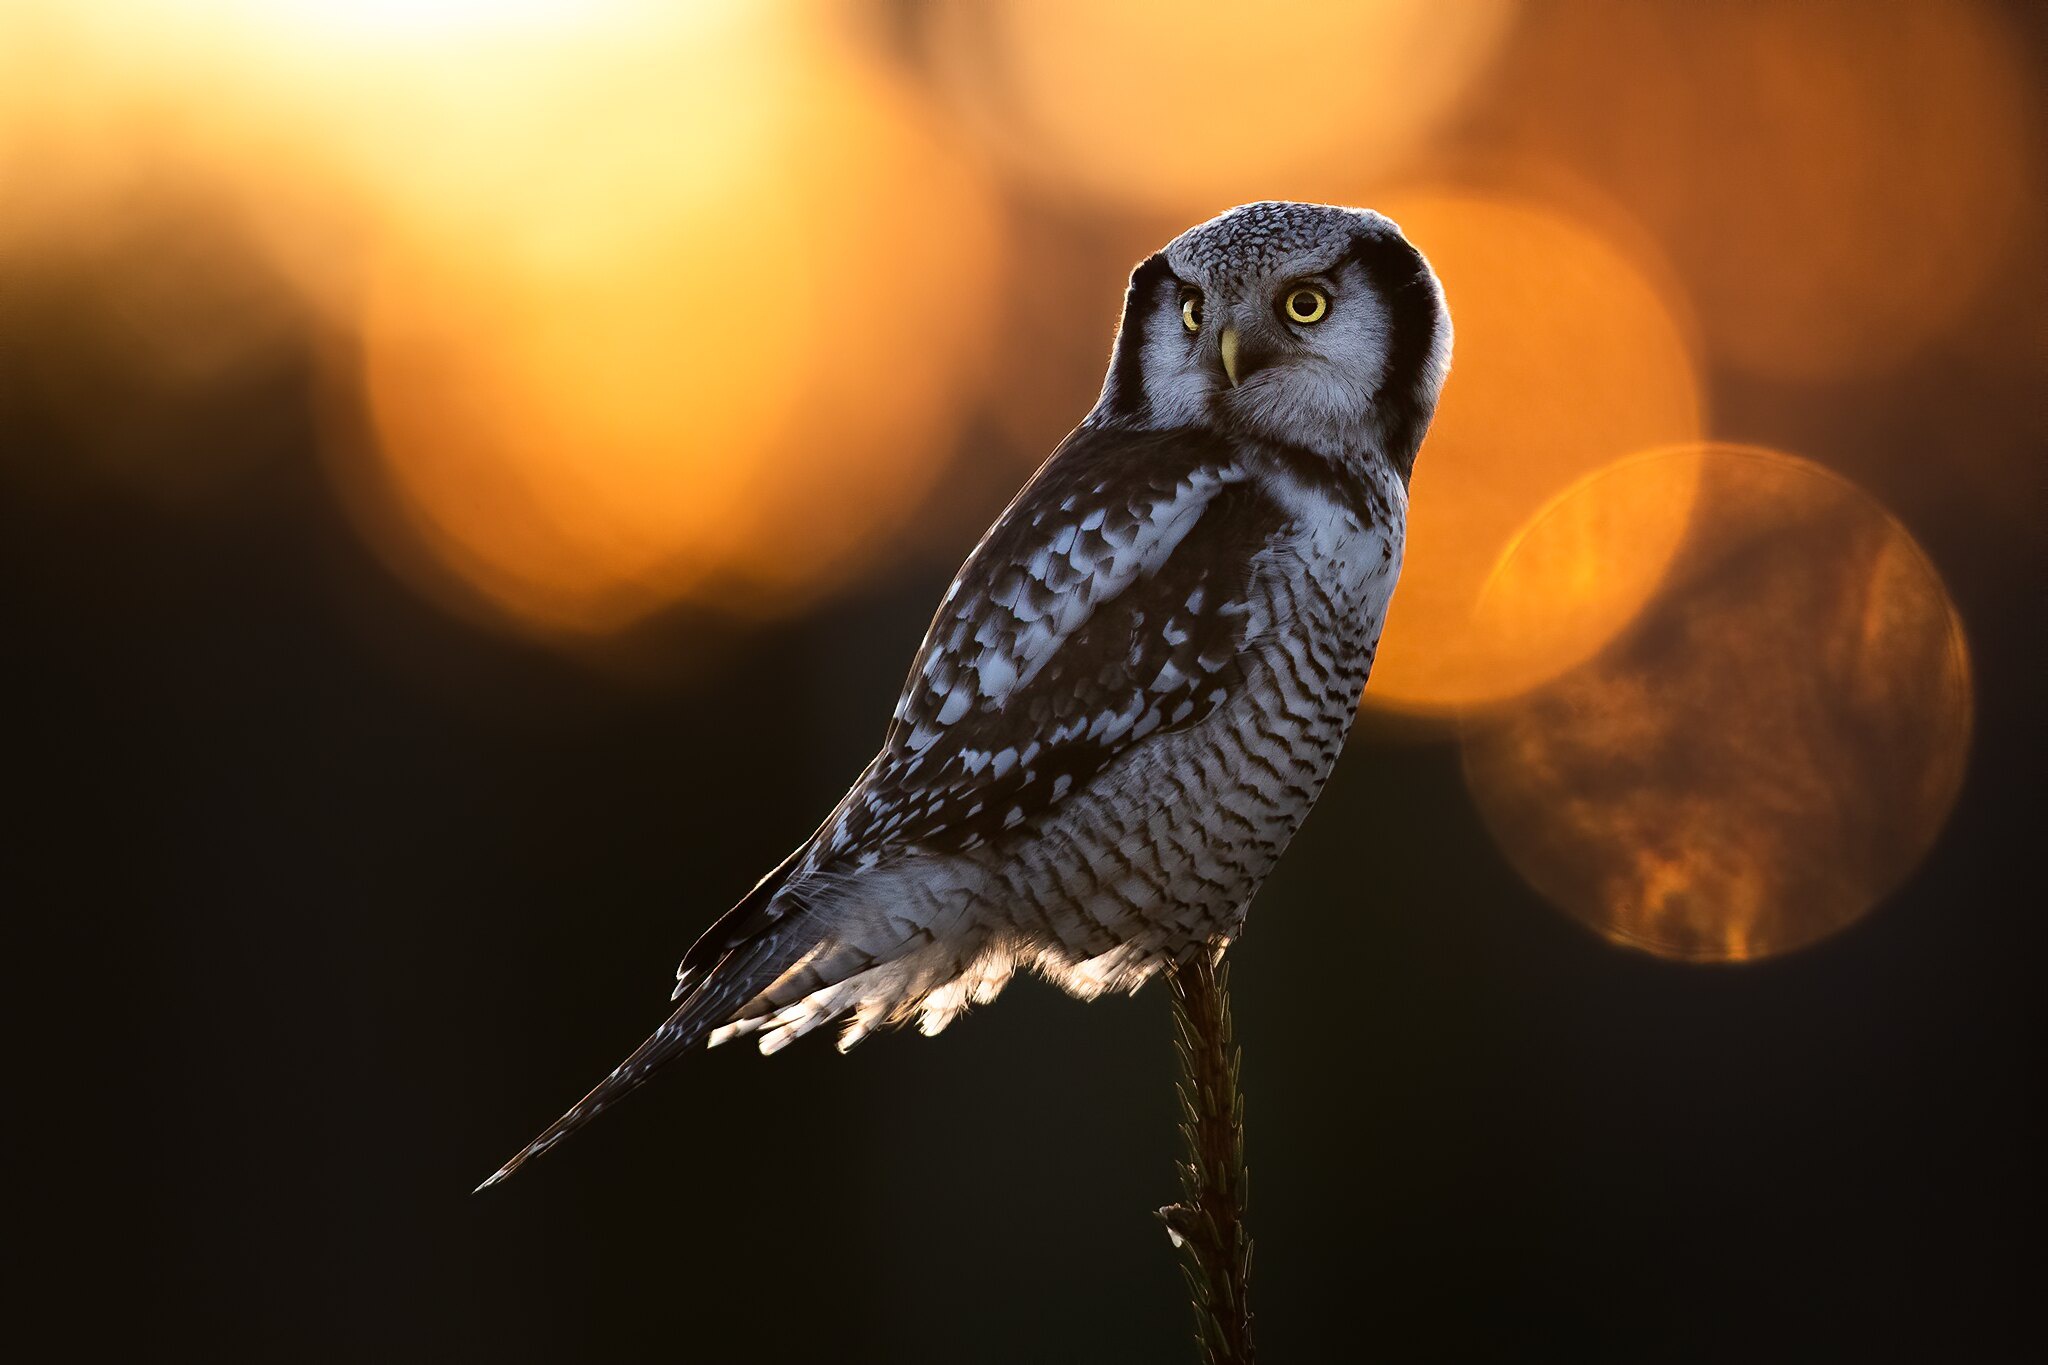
(1401, 279)
(1124, 395)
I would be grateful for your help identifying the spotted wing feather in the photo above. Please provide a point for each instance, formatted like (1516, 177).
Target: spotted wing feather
(1109, 604)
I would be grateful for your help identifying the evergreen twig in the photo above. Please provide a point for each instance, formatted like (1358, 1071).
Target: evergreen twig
(1208, 1224)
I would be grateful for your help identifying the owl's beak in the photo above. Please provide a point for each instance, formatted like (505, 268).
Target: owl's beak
(1227, 344)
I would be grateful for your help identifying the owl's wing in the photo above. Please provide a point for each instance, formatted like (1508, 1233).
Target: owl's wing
(1109, 604)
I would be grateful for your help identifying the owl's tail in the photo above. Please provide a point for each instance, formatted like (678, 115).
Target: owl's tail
(738, 957)
(688, 1026)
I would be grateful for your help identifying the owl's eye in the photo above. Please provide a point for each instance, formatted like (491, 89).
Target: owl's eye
(1306, 303)
(1191, 311)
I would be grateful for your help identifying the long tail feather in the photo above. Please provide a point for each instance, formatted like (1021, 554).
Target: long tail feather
(741, 975)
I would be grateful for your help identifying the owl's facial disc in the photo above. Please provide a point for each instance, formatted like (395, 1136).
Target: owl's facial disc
(1297, 352)
(1317, 326)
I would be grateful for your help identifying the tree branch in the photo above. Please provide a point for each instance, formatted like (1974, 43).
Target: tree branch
(1208, 1224)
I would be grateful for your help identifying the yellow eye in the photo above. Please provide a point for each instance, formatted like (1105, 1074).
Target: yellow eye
(1191, 312)
(1306, 304)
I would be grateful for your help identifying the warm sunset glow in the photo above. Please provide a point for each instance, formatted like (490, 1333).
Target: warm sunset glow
(1768, 750)
(1584, 567)
(315, 119)
(648, 299)
(680, 333)
(1570, 354)
(1837, 180)
(1193, 105)
(401, 19)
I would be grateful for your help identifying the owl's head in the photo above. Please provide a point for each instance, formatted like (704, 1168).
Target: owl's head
(1304, 323)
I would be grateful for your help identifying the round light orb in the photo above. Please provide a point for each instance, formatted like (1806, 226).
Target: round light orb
(679, 333)
(1767, 750)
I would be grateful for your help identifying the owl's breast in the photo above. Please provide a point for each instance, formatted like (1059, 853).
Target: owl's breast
(1333, 570)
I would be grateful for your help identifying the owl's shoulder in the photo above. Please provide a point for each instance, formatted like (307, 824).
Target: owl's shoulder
(1101, 465)
(1364, 493)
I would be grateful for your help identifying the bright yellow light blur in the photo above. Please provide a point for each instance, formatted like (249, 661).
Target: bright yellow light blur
(1570, 354)
(1189, 106)
(1837, 180)
(687, 332)
(385, 20)
(1768, 750)
(309, 119)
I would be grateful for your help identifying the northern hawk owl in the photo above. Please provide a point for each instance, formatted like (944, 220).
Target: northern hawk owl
(1139, 680)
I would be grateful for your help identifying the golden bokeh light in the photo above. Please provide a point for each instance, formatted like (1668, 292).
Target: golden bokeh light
(711, 329)
(1837, 180)
(403, 20)
(1189, 106)
(298, 115)
(1571, 353)
(1768, 749)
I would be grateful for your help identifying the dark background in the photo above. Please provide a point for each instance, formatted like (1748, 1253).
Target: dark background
(322, 901)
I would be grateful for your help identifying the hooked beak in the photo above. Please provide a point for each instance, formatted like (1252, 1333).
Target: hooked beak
(1227, 344)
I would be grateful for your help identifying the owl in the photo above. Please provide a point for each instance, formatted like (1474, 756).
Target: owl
(1136, 685)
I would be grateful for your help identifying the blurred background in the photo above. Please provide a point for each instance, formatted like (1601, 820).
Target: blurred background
(473, 475)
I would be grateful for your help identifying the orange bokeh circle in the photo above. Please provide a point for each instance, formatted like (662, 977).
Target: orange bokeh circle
(1767, 750)
(690, 343)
